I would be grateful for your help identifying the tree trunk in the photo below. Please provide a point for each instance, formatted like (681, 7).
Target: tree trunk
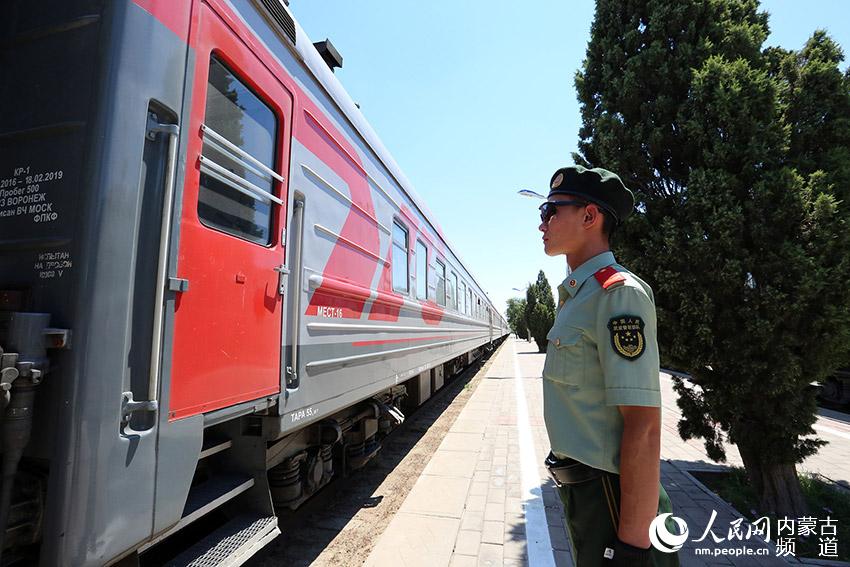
(776, 485)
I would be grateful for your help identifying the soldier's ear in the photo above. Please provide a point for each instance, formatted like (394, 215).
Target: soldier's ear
(593, 215)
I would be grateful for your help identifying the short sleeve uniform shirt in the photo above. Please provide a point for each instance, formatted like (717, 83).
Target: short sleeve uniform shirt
(602, 353)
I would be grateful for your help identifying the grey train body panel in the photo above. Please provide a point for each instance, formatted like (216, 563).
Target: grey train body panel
(101, 492)
(338, 387)
(80, 241)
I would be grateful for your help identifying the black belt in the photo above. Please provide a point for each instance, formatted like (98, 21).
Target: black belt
(570, 471)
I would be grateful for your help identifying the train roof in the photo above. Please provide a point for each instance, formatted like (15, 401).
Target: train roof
(317, 67)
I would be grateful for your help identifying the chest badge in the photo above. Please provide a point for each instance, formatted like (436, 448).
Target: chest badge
(627, 336)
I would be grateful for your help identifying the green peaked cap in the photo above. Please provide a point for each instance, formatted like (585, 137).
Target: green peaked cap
(597, 185)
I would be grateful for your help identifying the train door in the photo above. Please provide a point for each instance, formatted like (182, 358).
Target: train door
(490, 319)
(227, 332)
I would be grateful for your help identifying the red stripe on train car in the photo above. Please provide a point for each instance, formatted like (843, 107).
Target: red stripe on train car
(340, 288)
(345, 263)
(171, 14)
(386, 310)
(432, 313)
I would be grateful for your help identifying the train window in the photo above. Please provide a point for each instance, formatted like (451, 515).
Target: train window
(441, 283)
(237, 161)
(469, 303)
(401, 276)
(421, 270)
(462, 296)
(453, 286)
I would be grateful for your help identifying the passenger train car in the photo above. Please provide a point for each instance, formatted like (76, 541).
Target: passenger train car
(217, 289)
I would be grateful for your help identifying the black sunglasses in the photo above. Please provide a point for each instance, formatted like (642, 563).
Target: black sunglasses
(549, 208)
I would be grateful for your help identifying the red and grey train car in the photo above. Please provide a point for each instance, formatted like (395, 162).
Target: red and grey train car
(217, 289)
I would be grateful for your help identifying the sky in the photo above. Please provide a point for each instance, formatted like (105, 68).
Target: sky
(475, 100)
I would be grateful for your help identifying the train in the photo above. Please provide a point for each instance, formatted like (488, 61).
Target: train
(218, 291)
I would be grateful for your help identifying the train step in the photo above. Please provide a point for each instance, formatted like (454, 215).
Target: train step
(214, 443)
(210, 494)
(230, 545)
(204, 498)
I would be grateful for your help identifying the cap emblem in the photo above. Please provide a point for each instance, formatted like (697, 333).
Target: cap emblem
(557, 181)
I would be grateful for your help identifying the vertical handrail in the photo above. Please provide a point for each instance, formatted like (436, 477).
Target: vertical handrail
(296, 273)
(172, 131)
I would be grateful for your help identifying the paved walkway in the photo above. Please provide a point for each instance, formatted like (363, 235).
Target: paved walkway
(832, 461)
(485, 498)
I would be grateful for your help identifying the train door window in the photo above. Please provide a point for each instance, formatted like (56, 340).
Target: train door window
(421, 270)
(441, 283)
(469, 303)
(401, 275)
(454, 288)
(237, 162)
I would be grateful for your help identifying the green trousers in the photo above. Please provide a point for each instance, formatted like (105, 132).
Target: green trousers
(592, 510)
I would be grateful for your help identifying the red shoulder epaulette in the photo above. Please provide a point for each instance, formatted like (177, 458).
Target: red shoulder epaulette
(608, 277)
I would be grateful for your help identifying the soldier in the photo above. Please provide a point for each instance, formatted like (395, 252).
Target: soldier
(601, 394)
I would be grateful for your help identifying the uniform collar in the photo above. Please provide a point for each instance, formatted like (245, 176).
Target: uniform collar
(575, 280)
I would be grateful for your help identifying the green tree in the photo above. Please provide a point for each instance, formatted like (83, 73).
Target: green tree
(540, 310)
(817, 98)
(739, 226)
(530, 304)
(516, 317)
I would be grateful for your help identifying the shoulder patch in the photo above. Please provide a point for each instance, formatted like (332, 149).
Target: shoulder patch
(627, 337)
(609, 277)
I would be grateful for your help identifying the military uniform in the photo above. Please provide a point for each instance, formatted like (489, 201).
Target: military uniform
(602, 353)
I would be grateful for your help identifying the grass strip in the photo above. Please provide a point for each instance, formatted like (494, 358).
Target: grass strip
(825, 500)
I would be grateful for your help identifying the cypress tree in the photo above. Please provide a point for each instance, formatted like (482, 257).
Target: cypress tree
(540, 310)
(516, 317)
(740, 226)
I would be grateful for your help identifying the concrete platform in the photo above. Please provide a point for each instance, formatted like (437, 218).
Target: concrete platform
(485, 498)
